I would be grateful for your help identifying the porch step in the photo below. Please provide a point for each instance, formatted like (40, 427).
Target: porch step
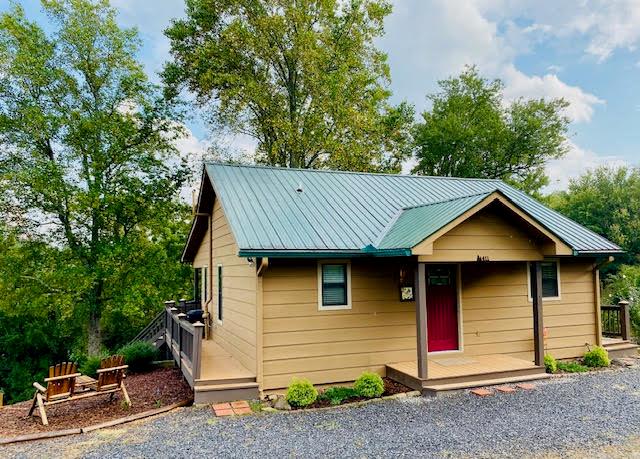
(225, 381)
(486, 375)
(621, 349)
(215, 393)
(434, 388)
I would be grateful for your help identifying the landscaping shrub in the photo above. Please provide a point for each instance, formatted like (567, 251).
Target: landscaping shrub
(91, 365)
(139, 356)
(597, 357)
(301, 393)
(336, 395)
(369, 385)
(550, 364)
(572, 367)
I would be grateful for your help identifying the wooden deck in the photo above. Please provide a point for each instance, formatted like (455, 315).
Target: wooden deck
(223, 378)
(460, 371)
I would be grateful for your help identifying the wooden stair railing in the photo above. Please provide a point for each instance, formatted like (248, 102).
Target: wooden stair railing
(616, 320)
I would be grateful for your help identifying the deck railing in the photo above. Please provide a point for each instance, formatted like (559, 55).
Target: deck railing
(616, 321)
(184, 340)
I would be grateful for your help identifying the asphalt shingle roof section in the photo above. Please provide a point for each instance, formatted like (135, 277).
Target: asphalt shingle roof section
(349, 212)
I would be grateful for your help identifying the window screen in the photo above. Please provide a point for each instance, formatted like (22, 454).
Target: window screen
(334, 285)
(550, 287)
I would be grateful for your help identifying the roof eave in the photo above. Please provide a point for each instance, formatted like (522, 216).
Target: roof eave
(246, 253)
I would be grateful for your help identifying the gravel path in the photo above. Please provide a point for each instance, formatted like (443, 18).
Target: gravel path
(591, 415)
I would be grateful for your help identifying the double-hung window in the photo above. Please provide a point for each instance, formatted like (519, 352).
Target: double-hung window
(550, 279)
(334, 285)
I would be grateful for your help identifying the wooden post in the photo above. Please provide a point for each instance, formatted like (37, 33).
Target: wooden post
(196, 356)
(625, 320)
(538, 327)
(179, 318)
(596, 289)
(420, 296)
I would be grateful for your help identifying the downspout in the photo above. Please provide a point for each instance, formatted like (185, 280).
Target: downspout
(597, 299)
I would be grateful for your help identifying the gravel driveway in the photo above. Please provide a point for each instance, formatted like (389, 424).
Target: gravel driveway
(591, 415)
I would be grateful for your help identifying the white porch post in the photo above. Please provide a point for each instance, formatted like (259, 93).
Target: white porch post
(421, 319)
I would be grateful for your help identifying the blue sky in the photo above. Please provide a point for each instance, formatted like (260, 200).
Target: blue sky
(583, 50)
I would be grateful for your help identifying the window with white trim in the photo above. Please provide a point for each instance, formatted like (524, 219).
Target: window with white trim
(334, 284)
(220, 293)
(550, 279)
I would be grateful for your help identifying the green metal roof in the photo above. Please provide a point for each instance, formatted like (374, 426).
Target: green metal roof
(305, 212)
(415, 224)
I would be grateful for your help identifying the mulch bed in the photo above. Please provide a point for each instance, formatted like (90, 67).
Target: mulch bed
(391, 387)
(147, 391)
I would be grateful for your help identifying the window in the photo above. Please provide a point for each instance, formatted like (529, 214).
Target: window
(220, 293)
(200, 284)
(550, 279)
(334, 285)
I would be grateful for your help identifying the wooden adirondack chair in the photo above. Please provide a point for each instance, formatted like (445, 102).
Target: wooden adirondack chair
(111, 377)
(60, 386)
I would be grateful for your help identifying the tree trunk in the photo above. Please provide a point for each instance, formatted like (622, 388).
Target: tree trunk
(94, 337)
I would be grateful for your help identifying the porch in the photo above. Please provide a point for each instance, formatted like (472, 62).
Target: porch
(211, 371)
(460, 372)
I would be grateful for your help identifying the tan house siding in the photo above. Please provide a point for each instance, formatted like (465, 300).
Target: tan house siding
(333, 346)
(202, 255)
(497, 315)
(572, 321)
(238, 330)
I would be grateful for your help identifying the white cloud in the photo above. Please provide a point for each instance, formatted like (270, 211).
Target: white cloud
(582, 103)
(577, 161)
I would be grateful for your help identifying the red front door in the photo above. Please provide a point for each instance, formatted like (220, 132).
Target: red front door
(442, 308)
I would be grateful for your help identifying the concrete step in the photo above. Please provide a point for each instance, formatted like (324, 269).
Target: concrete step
(622, 349)
(484, 382)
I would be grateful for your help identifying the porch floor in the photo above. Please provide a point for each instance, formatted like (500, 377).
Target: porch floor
(218, 365)
(460, 371)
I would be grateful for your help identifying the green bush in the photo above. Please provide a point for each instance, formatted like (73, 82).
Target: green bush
(550, 364)
(91, 365)
(336, 395)
(301, 393)
(369, 385)
(597, 357)
(572, 367)
(139, 355)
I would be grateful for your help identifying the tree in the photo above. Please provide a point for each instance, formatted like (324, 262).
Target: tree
(87, 156)
(607, 201)
(470, 131)
(302, 77)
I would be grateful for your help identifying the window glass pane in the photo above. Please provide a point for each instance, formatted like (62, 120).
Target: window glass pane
(333, 274)
(549, 279)
(219, 292)
(334, 285)
(334, 295)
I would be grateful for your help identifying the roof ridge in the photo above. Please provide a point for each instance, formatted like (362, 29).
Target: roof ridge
(482, 193)
(333, 171)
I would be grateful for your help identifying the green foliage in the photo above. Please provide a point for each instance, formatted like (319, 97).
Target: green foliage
(302, 77)
(471, 132)
(625, 285)
(550, 364)
(301, 393)
(139, 355)
(369, 385)
(607, 201)
(572, 367)
(336, 395)
(596, 357)
(91, 365)
(87, 146)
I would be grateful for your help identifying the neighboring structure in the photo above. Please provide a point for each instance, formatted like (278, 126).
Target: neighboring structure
(439, 283)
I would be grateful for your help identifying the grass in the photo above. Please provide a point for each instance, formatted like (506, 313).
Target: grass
(572, 367)
(255, 406)
(336, 395)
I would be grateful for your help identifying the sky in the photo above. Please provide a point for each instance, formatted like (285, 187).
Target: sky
(585, 51)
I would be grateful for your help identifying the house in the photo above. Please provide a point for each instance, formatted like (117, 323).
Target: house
(436, 282)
